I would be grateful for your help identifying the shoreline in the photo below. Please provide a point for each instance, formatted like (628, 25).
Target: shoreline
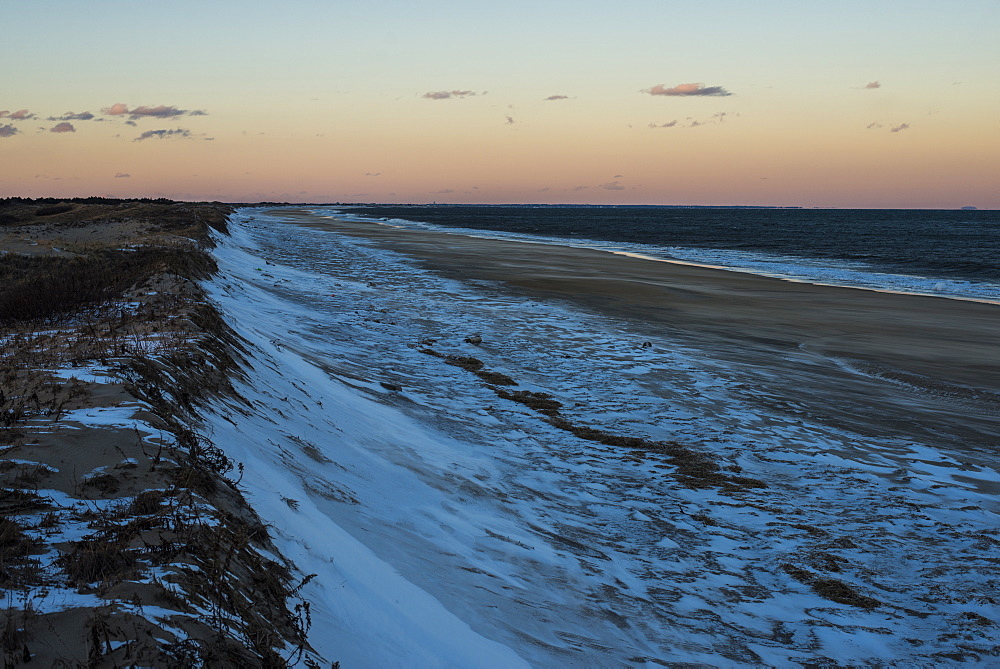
(674, 289)
(605, 246)
(930, 360)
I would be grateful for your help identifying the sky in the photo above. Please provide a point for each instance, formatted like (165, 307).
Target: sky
(719, 102)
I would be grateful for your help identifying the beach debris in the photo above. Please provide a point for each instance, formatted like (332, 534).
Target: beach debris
(474, 365)
(541, 402)
(390, 386)
(495, 378)
(475, 340)
(831, 588)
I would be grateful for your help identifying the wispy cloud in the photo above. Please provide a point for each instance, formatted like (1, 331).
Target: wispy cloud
(144, 111)
(72, 116)
(445, 95)
(557, 97)
(875, 125)
(612, 185)
(63, 127)
(8, 130)
(372, 174)
(717, 118)
(510, 119)
(123, 175)
(162, 134)
(160, 111)
(687, 90)
(19, 115)
(873, 84)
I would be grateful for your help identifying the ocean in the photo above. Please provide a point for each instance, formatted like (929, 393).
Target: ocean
(931, 252)
(794, 509)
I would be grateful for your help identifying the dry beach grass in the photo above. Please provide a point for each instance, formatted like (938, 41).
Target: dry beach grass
(123, 541)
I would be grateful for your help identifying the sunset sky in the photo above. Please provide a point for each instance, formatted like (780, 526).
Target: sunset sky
(839, 104)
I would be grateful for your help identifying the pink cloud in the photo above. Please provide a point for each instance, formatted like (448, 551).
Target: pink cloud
(117, 109)
(687, 90)
(8, 130)
(19, 115)
(873, 84)
(145, 111)
(63, 127)
(161, 111)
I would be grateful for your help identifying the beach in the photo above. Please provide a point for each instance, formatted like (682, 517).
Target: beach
(923, 362)
(290, 439)
(500, 468)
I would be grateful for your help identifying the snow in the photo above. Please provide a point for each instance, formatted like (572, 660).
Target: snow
(450, 527)
(94, 373)
(117, 416)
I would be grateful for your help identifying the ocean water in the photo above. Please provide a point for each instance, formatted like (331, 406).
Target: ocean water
(930, 252)
(448, 526)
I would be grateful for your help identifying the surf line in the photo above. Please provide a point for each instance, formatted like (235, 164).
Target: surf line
(672, 261)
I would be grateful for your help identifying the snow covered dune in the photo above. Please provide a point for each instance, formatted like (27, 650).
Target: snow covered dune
(623, 504)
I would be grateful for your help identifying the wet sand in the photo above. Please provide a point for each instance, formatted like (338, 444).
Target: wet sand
(933, 363)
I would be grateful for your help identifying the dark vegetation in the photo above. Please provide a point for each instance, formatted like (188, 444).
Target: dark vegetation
(99, 302)
(47, 287)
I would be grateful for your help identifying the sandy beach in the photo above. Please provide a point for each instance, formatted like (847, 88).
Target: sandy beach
(267, 444)
(931, 364)
(583, 458)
